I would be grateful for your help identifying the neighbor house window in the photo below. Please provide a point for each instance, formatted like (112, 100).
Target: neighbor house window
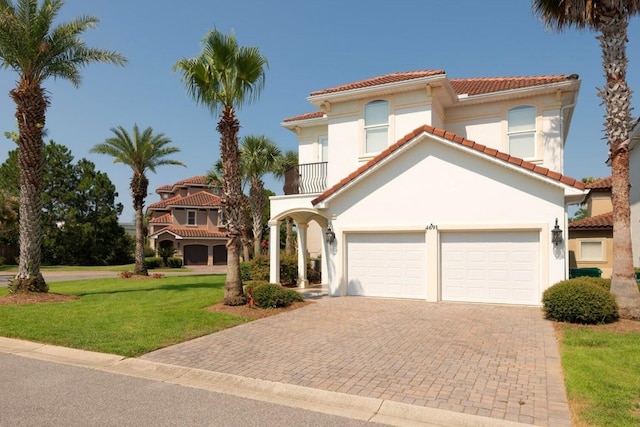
(592, 250)
(522, 131)
(191, 217)
(376, 126)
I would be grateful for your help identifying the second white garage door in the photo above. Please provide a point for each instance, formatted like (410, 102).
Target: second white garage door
(386, 265)
(492, 267)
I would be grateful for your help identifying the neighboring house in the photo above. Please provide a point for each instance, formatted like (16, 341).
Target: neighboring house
(188, 218)
(417, 185)
(591, 238)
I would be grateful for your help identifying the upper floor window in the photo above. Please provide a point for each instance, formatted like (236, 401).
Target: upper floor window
(522, 131)
(191, 218)
(376, 126)
(323, 149)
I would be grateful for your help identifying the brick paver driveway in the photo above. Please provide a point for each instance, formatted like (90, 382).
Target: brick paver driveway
(489, 360)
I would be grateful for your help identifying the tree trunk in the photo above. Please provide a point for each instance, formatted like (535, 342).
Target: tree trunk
(617, 100)
(31, 105)
(257, 207)
(228, 127)
(139, 186)
(288, 242)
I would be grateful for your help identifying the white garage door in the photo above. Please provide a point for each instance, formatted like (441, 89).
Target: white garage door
(492, 267)
(386, 265)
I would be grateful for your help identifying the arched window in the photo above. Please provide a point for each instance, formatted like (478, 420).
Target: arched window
(522, 131)
(376, 126)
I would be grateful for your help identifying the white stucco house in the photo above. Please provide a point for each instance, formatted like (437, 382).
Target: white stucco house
(417, 185)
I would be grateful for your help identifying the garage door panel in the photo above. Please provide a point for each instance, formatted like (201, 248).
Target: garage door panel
(395, 265)
(494, 267)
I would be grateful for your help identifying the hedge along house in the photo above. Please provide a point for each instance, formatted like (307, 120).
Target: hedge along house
(415, 185)
(188, 218)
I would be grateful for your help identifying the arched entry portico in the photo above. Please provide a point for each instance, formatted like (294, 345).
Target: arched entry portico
(302, 218)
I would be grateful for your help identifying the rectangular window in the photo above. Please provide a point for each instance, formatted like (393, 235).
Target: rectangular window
(592, 250)
(521, 130)
(323, 152)
(376, 126)
(191, 218)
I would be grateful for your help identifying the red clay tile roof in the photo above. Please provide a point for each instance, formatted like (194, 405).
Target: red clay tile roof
(192, 232)
(598, 222)
(468, 86)
(477, 86)
(199, 199)
(306, 116)
(199, 180)
(453, 138)
(380, 80)
(162, 219)
(601, 184)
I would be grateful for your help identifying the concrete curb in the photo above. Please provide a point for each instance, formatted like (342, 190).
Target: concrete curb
(340, 404)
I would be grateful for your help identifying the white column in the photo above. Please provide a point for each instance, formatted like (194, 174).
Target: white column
(302, 254)
(274, 252)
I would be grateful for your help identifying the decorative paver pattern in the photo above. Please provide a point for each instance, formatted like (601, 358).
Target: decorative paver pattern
(489, 360)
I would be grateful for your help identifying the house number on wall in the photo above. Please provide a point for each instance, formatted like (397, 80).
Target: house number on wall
(432, 227)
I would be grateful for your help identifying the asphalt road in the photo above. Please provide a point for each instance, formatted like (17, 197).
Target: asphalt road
(40, 393)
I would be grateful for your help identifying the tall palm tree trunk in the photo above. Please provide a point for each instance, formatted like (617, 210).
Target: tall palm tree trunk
(288, 241)
(617, 99)
(31, 105)
(228, 127)
(139, 186)
(257, 203)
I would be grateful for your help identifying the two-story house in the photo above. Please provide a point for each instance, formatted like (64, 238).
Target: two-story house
(417, 185)
(591, 238)
(188, 218)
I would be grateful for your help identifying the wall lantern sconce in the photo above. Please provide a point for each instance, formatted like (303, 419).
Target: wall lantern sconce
(556, 234)
(331, 235)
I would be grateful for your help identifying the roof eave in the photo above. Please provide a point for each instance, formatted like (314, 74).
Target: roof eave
(569, 85)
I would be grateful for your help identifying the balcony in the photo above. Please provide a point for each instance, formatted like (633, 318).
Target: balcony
(306, 179)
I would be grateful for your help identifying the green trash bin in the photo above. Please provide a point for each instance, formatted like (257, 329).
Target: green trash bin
(587, 271)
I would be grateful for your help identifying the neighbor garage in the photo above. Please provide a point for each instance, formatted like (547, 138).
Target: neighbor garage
(386, 265)
(196, 255)
(491, 267)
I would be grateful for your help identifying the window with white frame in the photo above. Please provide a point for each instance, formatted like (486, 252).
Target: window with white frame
(323, 149)
(191, 218)
(376, 126)
(592, 250)
(521, 130)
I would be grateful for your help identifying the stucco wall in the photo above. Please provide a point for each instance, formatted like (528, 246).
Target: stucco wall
(575, 261)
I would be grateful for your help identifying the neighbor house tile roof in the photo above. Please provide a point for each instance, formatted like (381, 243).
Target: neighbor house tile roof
(162, 219)
(199, 180)
(601, 184)
(598, 222)
(199, 199)
(466, 86)
(457, 139)
(191, 232)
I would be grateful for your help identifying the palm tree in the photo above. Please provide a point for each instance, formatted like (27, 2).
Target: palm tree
(610, 18)
(142, 152)
(259, 156)
(224, 77)
(36, 50)
(288, 160)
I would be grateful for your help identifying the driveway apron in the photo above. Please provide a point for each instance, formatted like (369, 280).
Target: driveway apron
(488, 360)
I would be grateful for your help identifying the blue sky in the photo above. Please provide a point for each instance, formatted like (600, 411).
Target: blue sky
(310, 46)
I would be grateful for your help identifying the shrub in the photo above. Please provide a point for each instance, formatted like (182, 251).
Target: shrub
(174, 262)
(599, 281)
(271, 295)
(260, 268)
(313, 275)
(245, 271)
(251, 285)
(153, 262)
(579, 301)
(288, 269)
(149, 252)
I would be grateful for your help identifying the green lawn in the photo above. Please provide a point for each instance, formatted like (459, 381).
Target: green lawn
(602, 376)
(129, 317)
